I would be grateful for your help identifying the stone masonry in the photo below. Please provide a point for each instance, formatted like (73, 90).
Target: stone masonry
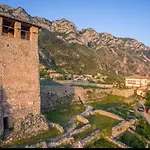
(20, 77)
(27, 127)
(53, 96)
(122, 127)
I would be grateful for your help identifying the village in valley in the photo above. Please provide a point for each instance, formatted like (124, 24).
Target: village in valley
(45, 108)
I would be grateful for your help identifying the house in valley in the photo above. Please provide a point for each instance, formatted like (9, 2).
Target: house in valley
(136, 81)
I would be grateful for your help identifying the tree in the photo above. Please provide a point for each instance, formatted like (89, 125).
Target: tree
(147, 103)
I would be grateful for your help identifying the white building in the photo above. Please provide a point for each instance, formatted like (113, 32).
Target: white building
(136, 81)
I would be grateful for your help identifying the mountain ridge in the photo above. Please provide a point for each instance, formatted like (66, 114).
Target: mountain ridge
(111, 54)
(18, 12)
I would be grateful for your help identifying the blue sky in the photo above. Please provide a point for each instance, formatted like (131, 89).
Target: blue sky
(121, 18)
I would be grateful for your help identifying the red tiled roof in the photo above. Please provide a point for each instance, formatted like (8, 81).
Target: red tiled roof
(137, 77)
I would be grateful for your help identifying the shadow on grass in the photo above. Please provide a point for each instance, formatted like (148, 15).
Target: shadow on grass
(132, 140)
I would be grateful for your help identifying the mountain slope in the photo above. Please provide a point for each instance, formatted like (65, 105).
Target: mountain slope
(62, 46)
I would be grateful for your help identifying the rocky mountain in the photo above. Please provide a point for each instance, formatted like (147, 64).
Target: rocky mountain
(85, 51)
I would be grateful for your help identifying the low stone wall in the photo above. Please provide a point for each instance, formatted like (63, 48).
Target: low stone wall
(108, 114)
(82, 119)
(65, 140)
(27, 127)
(93, 137)
(96, 91)
(125, 93)
(120, 92)
(71, 82)
(122, 127)
(53, 96)
(88, 109)
(77, 131)
(57, 126)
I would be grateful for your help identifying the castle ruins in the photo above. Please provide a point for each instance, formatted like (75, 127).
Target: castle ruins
(19, 72)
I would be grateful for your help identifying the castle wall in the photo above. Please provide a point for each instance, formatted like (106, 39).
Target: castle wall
(120, 92)
(53, 96)
(20, 76)
(125, 93)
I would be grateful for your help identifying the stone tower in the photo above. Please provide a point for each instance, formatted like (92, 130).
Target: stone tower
(19, 72)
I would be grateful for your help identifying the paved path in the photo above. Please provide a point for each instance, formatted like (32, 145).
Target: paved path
(145, 115)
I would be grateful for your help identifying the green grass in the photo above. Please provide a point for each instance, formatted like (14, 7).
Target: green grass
(132, 140)
(102, 143)
(116, 105)
(52, 132)
(64, 113)
(143, 128)
(103, 123)
(122, 110)
(107, 102)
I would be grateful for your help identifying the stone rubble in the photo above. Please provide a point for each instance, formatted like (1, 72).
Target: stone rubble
(27, 127)
(42, 144)
(65, 140)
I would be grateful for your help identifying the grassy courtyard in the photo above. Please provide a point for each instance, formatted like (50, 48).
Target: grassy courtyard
(114, 104)
(107, 102)
(64, 113)
(103, 123)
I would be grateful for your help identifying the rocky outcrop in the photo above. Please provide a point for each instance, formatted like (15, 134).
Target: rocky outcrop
(67, 31)
(71, 33)
(123, 43)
